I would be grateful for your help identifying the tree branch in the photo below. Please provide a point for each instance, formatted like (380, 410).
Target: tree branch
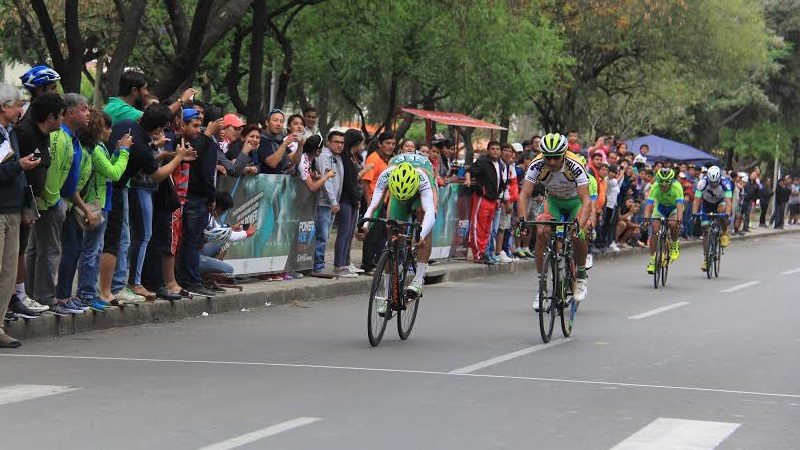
(50, 38)
(179, 22)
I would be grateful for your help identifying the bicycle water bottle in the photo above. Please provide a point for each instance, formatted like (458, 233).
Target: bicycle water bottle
(560, 231)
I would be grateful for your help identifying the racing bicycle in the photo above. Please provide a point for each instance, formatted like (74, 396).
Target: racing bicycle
(663, 246)
(712, 236)
(556, 282)
(393, 273)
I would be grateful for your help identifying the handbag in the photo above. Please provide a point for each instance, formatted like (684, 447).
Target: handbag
(166, 197)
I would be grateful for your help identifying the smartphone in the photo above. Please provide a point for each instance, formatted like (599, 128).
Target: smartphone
(36, 155)
(246, 226)
(129, 131)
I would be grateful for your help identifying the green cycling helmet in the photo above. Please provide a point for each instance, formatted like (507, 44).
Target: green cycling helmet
(553, 144)
(404, 182)
(665, 175)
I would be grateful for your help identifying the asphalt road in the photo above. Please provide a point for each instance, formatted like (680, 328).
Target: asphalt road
(701, 363)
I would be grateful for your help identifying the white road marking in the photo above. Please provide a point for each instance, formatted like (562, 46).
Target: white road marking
(791, 272)
(263, 433)
(664, 434)
(22, 392)
(507, 357)
(658, 310)
(405, 371)
(740, 286)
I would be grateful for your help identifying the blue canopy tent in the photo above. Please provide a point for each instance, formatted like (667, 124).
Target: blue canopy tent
(664, 149)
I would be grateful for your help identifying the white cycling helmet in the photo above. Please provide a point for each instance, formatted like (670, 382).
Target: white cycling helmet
(217, 235)
(714, 175)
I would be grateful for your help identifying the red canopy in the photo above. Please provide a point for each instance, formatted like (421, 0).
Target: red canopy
(450, 118)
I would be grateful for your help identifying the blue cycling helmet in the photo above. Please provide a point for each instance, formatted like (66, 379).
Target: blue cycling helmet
(39, 76)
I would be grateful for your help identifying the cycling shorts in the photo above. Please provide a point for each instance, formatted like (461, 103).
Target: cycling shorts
(564, 209)
(664, 211)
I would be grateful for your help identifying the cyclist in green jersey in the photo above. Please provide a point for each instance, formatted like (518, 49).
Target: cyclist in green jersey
(666, 200)
(412, 189)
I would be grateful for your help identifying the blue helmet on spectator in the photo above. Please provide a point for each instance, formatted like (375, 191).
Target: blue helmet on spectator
(39, 76)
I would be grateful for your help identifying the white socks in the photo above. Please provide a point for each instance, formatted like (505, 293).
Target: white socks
(420, 275)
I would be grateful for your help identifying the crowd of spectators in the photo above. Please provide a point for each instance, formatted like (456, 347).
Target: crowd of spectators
(126, 197)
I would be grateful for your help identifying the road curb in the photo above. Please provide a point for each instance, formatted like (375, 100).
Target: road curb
(264, 294)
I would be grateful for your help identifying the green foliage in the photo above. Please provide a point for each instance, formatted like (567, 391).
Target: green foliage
(763, 141)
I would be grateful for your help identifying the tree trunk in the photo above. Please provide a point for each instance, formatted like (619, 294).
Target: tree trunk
(255, 89)
(131, 24)
(232, 77)
(505, 122)
(211, 22)
(469, 150)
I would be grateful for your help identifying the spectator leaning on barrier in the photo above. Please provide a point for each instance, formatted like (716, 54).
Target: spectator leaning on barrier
(349, 204)
(147, 135)
(379, 160)
(273, 148)
(44, 249)
(43, 117)
(765, 193)
(12, 198)
(794, 200)
(199, 197)
(82, 243)
(503, 248)
(310, 116)
(329, 160)
(487, 185)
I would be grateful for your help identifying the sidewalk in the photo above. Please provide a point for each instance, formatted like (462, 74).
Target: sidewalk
(265, 294)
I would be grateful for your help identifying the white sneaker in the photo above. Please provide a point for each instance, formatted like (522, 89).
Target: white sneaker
(354, 269)
(344, 272)
(614, 247)
(536, 305)
(34, 306)
(589, 261)
(503, 258)
(581, 289)
(127, 296)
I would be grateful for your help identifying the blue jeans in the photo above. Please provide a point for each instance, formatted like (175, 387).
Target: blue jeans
(209, 263)
(493, 234)
(195, 220)
(71, 237)
(89, 262)
(120, 279)
(322, 227)
(141, 226)
(348, 219)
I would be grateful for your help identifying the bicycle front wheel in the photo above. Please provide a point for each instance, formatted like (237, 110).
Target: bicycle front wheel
(408, 307)
(548, 296)
(665, 254)
(380, 297)
(658, 260)
(567, 308)
(717, 255)
(709, 254)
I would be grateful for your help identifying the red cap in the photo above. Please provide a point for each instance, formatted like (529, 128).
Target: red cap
(232, 120)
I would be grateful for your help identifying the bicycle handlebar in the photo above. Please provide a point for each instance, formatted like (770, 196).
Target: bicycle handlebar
(709, 215)
(391, 222)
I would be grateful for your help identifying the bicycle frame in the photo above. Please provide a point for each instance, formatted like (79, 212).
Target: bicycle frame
(400, 245)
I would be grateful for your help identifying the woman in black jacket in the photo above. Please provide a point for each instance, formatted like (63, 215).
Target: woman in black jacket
(349, 204)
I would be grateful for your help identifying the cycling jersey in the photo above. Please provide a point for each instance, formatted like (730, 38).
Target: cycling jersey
(564, 182)
(713, 194)
(592, 187)
(425, 198)
(665, 202)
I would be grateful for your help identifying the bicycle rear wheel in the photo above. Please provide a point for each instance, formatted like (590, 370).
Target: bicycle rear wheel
(548, 296)
(376, 324)
(407, 313)
(658, 260)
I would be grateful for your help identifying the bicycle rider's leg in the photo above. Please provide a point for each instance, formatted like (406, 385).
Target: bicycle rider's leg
(542, 233)
(723, 221)
(674, 230)
(656, 229)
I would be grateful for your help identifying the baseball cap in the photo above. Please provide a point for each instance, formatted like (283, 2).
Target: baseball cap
(232, 120)
(189, 114)
(704, 169)
(517, 147)
(639, 159)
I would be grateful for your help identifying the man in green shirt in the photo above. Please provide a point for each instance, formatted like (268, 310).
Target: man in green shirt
(133, 90)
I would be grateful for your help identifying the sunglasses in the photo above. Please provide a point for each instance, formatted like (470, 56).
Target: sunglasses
(553, 157)
(275, 111)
